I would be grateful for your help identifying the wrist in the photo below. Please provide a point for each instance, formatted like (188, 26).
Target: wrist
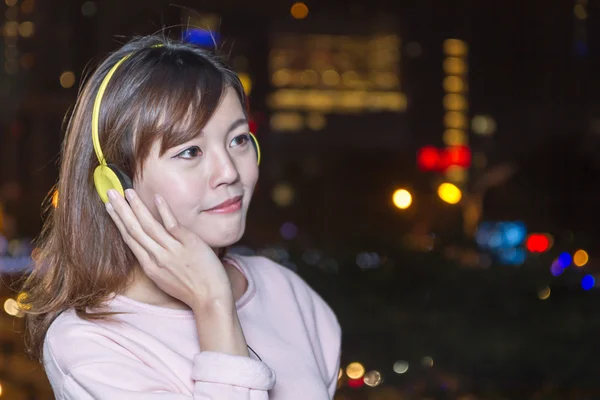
(215, 306)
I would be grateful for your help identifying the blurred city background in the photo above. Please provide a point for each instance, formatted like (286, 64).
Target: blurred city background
(430, 168)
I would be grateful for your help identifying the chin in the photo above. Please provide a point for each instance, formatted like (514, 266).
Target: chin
(220, 238)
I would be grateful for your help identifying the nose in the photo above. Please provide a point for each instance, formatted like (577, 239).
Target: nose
(224, 171)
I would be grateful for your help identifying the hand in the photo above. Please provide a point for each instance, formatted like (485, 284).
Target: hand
(175, 258)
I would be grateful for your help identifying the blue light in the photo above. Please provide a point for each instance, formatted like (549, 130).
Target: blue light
(202, 37)
(288, 230)
(565, 259)
(514, 256)
(515, 233)
(556, 268)
(588, 282)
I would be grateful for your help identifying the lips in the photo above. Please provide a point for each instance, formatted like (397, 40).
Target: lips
(226, 204)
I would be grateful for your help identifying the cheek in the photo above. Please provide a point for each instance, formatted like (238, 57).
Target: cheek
(249, 174)
(177, 194)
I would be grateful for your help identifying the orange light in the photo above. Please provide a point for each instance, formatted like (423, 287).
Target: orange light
(299, 10)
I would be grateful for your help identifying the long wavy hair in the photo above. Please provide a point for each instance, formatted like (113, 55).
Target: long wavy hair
(166, 94)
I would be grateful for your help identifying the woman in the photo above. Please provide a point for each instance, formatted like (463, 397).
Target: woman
(134, 297)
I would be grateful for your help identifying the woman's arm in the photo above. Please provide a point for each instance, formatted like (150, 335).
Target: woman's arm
(92, 366)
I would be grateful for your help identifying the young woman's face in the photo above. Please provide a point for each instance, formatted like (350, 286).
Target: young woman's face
(208, 181)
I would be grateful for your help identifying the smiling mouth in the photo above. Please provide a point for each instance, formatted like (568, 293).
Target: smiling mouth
(228, 206)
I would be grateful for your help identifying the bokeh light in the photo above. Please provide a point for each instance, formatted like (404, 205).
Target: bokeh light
(580, 258)
(556, 269)
(288, 230)
(67, 79)
(588, 282)
(373, 378)
(544, 293)
(355, 370)
(427, 362)
(299, 10)
(449, 193)
(11, 307)
(400, 366)
(283, 194)
(402, 199)
(565, 259)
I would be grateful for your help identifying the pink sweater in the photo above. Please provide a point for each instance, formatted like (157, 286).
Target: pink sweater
(153, 352)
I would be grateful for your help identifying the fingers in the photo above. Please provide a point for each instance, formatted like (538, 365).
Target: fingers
(138, 224)
(178, 231)
(138, 251)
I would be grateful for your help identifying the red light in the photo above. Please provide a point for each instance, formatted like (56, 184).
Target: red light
(459, 155)
(537, 243)
(356, 383)
(428, 158)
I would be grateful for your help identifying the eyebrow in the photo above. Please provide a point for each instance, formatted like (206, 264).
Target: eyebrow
(236, 123)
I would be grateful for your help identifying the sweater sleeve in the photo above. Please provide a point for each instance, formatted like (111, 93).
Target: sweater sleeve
(118, 376)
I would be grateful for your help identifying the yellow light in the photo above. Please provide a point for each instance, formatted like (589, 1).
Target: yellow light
(455, 102)
(580, 258)
(55, 199)
(67, 79)
(455, 47)
(449, 193)
(246, 82)
(454, 66)
(12, 308)
(455, 120)
(283, 194)
(544, 293)
(331, 77)
(454, 137)
(10, 3)
(26, 29)
(453, 84)
(299, 10)
(355, 370)
(11, 28)
(281, 77)
(20, 299)
(402, 199)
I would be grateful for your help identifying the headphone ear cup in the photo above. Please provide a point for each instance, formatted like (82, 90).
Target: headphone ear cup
(125, 180)
(256, 147)
(108, 177)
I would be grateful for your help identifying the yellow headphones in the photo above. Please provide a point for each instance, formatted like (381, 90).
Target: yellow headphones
(109, 176)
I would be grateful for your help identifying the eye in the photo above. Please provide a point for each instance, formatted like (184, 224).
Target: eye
(240, 140)
(189, 153)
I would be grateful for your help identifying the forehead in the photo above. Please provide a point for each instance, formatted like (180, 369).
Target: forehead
(227, 112)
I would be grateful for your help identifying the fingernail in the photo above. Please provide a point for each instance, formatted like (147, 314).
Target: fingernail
(112, 194)
(157, 199)
(129, 194)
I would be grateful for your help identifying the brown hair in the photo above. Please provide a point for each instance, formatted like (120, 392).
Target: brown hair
(164, 93)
